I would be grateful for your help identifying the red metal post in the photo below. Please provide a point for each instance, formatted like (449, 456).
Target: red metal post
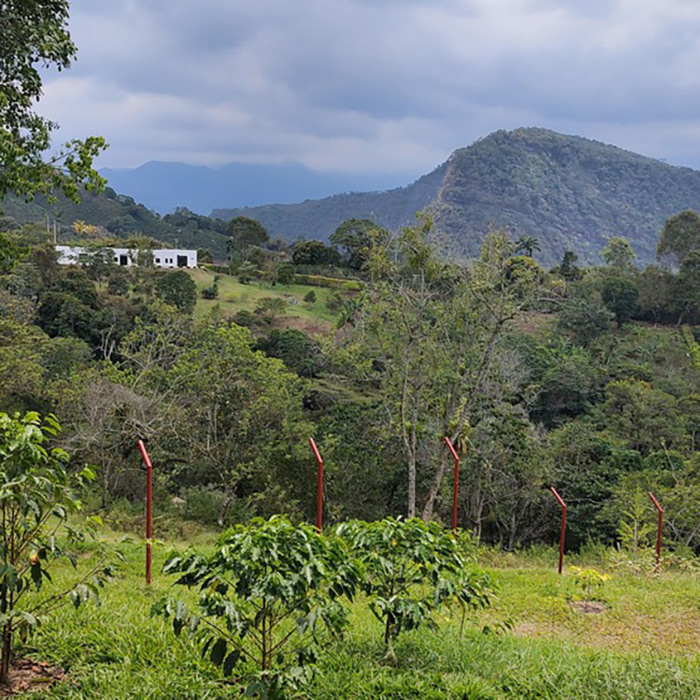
(455, 486)
(562, 534)
(149, 508)
(319, 485)
(659, 527)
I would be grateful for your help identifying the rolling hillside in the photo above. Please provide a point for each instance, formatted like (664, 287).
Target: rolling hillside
(569, 192)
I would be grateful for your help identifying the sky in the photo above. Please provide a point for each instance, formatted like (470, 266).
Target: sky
(375, 86)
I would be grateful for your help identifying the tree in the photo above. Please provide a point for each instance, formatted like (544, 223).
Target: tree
(584, 315)
(177, 289)
(244, 233)
(686, 289)
(680, 236)
(34, 34)
(314, 253)
(620, 296)
(285, 274)
(356, 238)
(427, 333)
(217, 397)
(527, 245)
(37, 495)
(568, 269)
(11, 252)
(618, 253)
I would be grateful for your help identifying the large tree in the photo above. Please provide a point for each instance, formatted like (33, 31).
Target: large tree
(428, 333)
(34, 35)
(245, 233)
(680, 236)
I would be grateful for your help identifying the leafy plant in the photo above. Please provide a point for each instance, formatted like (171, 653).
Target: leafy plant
(589, 581)
(413, 569)
(269, 594)
(37, 493)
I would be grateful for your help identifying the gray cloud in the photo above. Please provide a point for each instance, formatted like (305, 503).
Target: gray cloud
(376, 85)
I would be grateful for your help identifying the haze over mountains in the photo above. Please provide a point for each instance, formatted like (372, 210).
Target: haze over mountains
(165, 186)
(569, 192)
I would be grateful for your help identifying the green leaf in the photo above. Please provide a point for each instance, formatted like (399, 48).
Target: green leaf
(230, 662)
(218, 651)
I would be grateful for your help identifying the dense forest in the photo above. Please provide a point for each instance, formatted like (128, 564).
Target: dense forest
(583, 378)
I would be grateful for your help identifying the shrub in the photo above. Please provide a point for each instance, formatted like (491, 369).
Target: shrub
(330, 282)
(37, 494)
(413, 569)
(310, 297)
(268, 595)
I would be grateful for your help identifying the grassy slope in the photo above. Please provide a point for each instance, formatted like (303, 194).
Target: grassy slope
(234, 297)
(644, 645)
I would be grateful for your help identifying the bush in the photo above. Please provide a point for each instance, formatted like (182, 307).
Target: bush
(203, 504)
(330, 282)
(269, 595)
(310, 297)
(37, 494)
(412, 569)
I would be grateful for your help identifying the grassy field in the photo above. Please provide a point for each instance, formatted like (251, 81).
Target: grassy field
(234, 297)
(644, 644)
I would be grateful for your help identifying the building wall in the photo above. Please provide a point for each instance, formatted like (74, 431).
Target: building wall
(167, 258)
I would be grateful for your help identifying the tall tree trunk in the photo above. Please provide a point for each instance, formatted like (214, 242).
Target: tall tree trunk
(6, 652)
(435, 489)
(411, 508)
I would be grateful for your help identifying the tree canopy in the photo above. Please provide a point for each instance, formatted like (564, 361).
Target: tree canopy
(34, 34)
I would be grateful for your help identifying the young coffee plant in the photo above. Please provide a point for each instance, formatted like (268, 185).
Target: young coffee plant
(269, 594)
(412, 569)
(590, 582)
(37, 493)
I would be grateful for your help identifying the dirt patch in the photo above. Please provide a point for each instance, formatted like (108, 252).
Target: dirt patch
(591, 607)
(27, 676)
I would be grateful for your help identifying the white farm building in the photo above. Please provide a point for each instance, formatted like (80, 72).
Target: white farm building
(127, 257)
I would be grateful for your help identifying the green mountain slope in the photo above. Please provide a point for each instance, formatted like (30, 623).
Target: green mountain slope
(569, 192)
(122, 217)
(319, 218)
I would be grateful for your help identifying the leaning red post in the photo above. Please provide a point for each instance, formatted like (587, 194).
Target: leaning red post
(319, 485)
(149, 507)
(659, 527)
(562, 534)
(455, 485)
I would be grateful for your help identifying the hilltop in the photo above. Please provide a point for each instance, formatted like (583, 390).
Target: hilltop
(569, 192)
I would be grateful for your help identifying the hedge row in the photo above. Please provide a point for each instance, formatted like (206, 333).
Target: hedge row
(330, 282)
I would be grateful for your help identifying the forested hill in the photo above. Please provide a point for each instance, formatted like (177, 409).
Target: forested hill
(319, 218)
(569, 192)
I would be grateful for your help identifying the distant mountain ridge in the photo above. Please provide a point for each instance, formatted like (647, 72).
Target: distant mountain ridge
(570, 192)
(165, 186)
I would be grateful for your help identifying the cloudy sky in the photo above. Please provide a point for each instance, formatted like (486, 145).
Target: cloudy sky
(380, 86)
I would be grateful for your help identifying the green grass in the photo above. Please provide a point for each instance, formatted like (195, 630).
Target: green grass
(234, 297)
(644, 645)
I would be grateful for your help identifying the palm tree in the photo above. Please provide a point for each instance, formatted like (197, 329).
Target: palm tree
(527, 245)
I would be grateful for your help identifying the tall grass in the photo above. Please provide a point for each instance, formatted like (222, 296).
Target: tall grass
(645, 645)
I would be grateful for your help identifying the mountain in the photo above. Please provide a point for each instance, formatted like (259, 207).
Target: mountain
(165, 186)
(121, 216)
(569, 192)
